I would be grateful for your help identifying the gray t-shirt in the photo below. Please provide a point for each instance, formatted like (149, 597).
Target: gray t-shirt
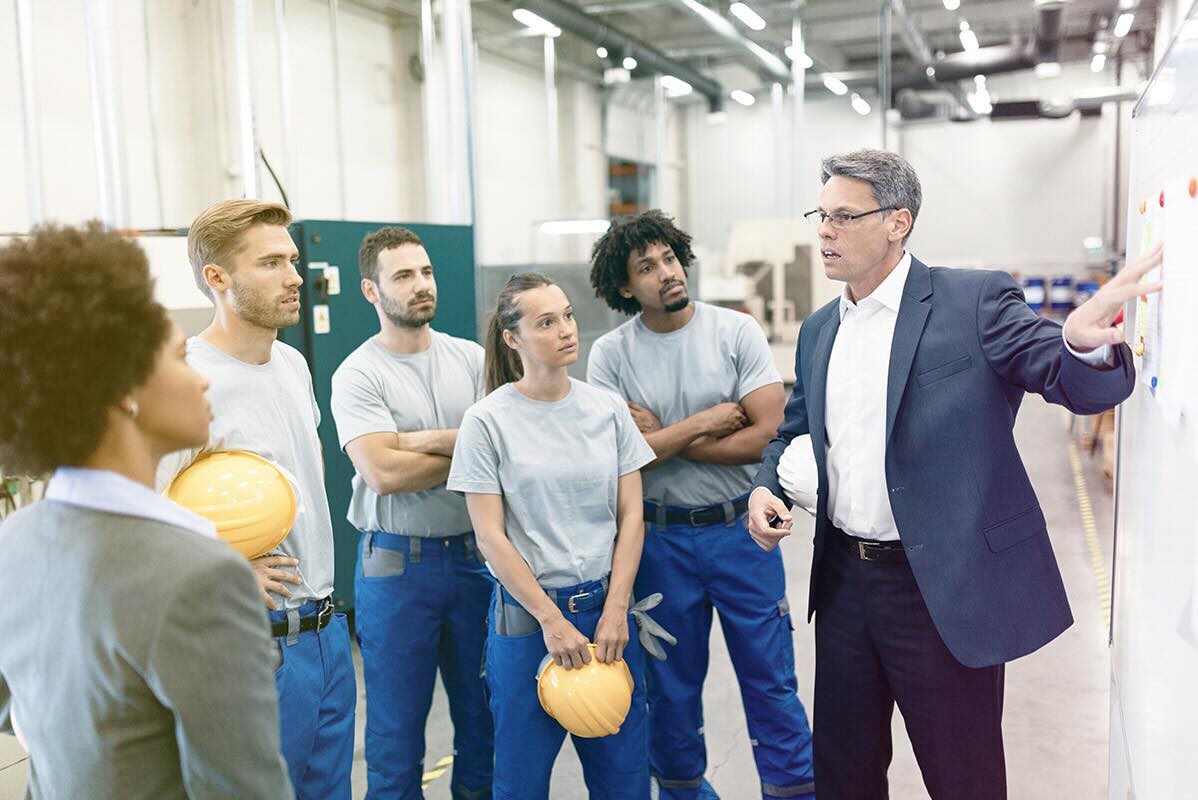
(377, 391)
(720, 356)
(557, 466)
(270, 409)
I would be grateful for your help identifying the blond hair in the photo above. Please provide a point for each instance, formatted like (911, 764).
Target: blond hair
(215, 235)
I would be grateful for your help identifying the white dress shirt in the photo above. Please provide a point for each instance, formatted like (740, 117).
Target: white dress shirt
(102, 490)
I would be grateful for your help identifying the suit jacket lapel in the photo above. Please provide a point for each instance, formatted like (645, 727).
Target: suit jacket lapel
(908, 328)
(819, 384)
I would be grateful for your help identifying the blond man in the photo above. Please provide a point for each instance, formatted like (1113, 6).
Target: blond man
(244, 259)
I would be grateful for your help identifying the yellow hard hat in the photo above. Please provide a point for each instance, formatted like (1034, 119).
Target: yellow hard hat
(589, 702)
(247, 498)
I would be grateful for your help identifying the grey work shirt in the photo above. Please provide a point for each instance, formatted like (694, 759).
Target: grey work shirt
(378, 391)
(719, 356)
(270, 409)
(557, 466)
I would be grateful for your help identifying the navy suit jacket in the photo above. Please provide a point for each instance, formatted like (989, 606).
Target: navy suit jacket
(966, 347)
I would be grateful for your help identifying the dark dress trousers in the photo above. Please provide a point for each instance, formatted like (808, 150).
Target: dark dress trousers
(980, 584)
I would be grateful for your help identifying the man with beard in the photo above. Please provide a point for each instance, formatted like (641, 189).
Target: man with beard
(244, 260)
(702, 386)
(421, 587)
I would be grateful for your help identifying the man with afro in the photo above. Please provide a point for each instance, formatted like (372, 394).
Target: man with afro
(702, 386)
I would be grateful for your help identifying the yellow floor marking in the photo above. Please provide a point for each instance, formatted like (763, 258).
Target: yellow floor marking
(1102, 581)
(439, 769)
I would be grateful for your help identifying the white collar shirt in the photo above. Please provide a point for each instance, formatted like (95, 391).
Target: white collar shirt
(104, 490)
(855, 410)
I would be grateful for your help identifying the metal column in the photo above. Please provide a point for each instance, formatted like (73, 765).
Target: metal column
(110, 161)
(552, 144)
(884, 68)
(33, 144)
(459, 94)
(243, 22)
(282, 48)
(798, 97)
(338, 113)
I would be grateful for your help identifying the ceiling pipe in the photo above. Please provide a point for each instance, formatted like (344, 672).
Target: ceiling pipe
(570, 18)
(768, 64)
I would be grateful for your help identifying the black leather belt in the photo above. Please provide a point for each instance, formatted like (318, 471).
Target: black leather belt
(887, 552)
(707, 515)
(313, 622)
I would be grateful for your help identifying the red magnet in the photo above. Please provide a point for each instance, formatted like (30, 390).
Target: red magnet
(1162, 199)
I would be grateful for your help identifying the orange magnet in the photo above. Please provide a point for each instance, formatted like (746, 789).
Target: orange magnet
(1143, 207)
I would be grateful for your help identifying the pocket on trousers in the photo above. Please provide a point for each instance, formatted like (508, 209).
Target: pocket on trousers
(513, 622)
(784, 612)
(381, 562)
(277, 657)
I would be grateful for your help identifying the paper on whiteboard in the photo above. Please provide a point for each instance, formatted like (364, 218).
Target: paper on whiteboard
(1147, 323)
(1177, 323)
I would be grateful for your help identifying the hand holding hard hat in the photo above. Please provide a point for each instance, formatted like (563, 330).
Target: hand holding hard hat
(251, 501)
(588, 701)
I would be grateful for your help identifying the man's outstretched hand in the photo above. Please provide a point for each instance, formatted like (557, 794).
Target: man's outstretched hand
(1089, 326)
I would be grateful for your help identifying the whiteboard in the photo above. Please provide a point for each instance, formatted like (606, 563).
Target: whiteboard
(1154, 656)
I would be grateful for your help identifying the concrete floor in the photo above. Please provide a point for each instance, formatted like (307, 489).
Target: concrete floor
(1056, 725)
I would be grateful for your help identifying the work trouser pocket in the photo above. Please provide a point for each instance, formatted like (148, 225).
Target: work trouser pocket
(381, 562)
(512, 620)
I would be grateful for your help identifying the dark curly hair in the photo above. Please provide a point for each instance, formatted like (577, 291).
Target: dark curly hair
(378, 241)
(628, 235)
(79, 329)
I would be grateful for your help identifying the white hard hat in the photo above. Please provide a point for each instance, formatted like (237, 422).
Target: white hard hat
(798, 474)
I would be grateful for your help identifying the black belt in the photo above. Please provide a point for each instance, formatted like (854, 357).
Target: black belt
(865, 550)
(313, 622)
(707, 515)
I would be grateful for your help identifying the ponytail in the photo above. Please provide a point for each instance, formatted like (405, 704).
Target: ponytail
(503, 364)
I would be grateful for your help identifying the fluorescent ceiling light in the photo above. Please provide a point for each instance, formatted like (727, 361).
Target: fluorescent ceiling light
(601, 52)
(1092, 243)
(614, 75)
(534, 23)
(835, 85)
(1048, 69)
(742, 97)
(629, 63)
(748, 16)
(675, 87)
(860, 105)
(804, 60)
(717, 117)
(1127, 5)
(561, 227)
(969, 39)
(1123, 25)
(1098, 63)
(952, 5)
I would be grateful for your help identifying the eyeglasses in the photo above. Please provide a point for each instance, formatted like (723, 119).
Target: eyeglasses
(840, 219)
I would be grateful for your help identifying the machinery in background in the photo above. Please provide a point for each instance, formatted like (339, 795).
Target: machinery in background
(772, 271)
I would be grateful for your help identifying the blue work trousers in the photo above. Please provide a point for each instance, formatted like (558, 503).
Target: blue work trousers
(527, 740)
(317, 696)
(421, 606)
(697, 568)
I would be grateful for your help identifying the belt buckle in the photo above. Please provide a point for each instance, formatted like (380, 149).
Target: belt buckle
(861, 552)
(570, 603)
(326, 612)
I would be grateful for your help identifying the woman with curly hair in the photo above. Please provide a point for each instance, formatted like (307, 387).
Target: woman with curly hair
(118, 601)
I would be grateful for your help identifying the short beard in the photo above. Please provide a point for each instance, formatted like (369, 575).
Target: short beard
(679, 305)
(262, 313)
(398, 317)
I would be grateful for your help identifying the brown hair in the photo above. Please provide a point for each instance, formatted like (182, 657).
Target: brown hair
(79, 330)
(215, 234)
(377, 242)
(503, 364)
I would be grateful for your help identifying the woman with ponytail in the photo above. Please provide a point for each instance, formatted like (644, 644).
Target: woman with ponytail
(550, 468)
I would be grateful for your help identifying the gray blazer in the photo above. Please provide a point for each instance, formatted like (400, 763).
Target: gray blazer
(138, 655)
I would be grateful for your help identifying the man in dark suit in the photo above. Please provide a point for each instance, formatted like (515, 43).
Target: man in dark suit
(932, 564)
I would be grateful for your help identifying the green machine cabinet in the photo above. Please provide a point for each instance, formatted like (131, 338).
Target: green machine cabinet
(336, 319)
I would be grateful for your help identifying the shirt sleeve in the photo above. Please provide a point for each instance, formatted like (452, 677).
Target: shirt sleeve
(1098, 357)
(475, 464)
(358, 406)
(480, 374)
(599, 371)
(754, 360)
(632, 451)
(218, 686)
